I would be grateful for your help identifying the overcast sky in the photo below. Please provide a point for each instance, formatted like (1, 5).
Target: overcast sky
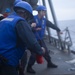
(64, 9)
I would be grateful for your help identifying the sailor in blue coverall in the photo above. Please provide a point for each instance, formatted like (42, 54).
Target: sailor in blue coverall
(39, 30)
(15, 37)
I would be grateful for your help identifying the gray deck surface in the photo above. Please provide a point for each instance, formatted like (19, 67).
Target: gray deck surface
(64, 61)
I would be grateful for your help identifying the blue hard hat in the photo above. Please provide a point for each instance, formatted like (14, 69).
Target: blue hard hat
(16, 1)
(7, 10)
(24, 5)
(41, 7)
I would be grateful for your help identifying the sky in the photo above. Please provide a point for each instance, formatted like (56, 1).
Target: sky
(64, 9)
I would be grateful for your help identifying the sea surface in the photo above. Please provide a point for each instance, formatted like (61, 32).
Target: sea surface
(63, 25)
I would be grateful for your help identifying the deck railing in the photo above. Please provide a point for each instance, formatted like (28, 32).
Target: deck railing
(65, 45)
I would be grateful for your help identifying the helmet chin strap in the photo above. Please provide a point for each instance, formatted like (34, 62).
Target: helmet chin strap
(24, 14)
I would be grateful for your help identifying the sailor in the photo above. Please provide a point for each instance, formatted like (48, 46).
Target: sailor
(39, 31)
(15, 37)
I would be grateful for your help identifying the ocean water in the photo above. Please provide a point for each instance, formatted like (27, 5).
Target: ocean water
(71, 27)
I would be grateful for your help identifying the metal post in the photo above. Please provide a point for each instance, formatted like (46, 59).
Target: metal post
(49, 34)
(55, 21)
